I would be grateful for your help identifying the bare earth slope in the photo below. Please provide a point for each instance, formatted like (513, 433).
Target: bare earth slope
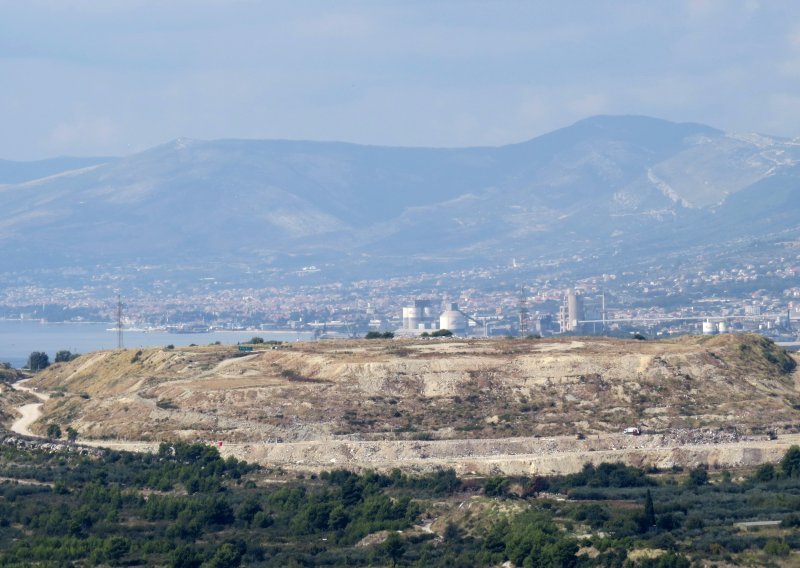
(385, 403)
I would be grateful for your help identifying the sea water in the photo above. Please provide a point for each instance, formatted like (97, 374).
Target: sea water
(19, 338)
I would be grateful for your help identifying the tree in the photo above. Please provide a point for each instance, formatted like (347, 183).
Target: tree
(256, 340)
(775, 547)
(185, 557)
(697, 477)
(338, 518)
(790, 463)
(379, 335)
(442, 333)
(649, 510)
(227, 556)
(496, 486)
(451, 532)
(394, 547)
(116, 547)
(65, 356)
(248, 509)
(53, 431)
(72, 434)
(38, 360)
(765, 472)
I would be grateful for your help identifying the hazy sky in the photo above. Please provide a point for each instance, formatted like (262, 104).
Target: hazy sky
(107, 77)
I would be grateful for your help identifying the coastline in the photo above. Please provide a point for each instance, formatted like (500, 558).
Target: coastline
(19, 338)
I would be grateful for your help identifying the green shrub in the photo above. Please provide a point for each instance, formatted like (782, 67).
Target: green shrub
(765, 472)
(496, 486)
(379, 335)
(775, 547)
(697, 477)
(790, 463)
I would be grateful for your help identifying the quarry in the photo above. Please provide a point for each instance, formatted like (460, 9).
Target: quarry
(511, 406)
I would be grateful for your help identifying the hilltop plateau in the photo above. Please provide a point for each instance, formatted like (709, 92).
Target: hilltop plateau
(385, 402)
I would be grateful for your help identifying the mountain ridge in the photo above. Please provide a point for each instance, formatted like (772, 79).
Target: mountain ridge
(597, 185)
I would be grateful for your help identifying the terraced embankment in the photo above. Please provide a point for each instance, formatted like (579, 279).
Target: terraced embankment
(518, 456)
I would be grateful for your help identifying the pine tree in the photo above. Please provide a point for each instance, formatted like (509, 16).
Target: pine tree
(649, 510)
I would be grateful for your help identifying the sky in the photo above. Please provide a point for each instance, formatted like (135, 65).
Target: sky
(113, 77)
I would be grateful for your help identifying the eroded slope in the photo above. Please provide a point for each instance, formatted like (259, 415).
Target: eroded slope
(407, 389)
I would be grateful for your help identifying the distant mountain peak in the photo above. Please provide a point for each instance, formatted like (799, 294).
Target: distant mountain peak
(183, 142)
(638, 124)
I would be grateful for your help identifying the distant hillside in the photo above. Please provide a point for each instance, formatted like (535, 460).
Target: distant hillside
(605, 185)
(19, 172)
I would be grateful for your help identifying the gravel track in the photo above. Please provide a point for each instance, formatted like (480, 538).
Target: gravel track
(30, 412)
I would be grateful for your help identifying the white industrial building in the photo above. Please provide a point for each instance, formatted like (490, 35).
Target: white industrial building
(421, 317)
(570, 313)
(453, 319)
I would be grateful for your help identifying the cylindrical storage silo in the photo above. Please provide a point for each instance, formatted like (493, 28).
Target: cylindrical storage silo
(411, 317)
(453, 320)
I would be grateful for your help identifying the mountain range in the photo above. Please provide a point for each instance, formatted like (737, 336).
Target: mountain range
(607, 185)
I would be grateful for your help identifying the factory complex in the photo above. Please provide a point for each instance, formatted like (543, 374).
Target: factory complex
(577, 314)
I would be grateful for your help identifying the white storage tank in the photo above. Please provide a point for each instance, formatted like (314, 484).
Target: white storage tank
(453, 320)
(412, 316)
(723, 327)
(709, 328)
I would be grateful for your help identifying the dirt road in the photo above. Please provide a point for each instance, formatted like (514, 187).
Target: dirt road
(30, 412)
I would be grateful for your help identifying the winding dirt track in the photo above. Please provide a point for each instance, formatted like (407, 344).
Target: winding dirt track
(30, 412)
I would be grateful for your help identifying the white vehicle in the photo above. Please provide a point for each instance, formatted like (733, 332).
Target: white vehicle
(632, 430)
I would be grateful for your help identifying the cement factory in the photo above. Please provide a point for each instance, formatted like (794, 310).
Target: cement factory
(422, 317)
(577, 314)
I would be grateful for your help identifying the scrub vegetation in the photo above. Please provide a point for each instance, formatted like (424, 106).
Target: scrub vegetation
(186, 506)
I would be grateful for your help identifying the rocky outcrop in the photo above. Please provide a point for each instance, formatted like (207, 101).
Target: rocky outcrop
(50, 446)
